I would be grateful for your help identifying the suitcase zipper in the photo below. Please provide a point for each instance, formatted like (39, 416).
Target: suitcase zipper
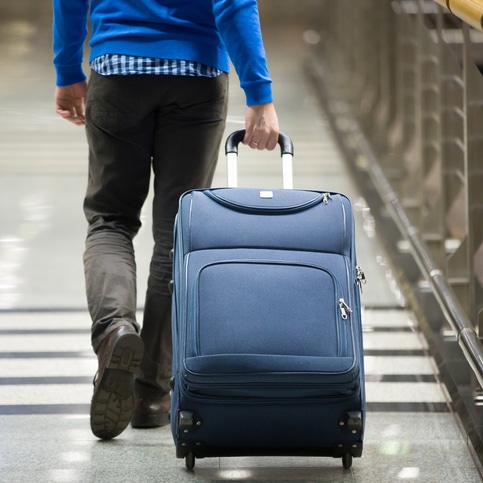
(251, 393)
(217, 196)
(361, 278)
(344, 308)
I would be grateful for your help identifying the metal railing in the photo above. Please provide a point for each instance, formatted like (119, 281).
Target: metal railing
(409, 70)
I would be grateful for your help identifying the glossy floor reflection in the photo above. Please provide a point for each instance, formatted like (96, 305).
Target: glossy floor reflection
(45, 388)
(46, 363)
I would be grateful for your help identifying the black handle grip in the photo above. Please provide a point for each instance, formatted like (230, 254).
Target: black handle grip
(235, 138)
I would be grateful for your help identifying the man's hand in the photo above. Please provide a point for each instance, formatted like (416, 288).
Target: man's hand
(261, 126)
(69, 102)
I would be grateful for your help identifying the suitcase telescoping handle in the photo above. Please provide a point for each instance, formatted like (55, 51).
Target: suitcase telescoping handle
(231, 150)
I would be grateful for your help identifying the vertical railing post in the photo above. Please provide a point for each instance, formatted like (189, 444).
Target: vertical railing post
(474, 179)
(411, 185)
(432, 217)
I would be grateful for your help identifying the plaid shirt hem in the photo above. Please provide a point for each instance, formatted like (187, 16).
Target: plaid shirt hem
(114, 64)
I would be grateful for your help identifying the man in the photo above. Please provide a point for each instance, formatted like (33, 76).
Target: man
(156, 101)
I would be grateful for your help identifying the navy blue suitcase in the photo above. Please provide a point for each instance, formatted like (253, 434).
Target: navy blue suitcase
(267, 337)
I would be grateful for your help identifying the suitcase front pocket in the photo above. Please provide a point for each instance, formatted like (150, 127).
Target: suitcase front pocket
(271, 308)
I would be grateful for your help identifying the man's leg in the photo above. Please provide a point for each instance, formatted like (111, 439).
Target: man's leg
(187, 141)
(119, 131)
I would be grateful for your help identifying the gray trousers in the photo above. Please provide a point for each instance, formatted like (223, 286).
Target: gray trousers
(137, 126)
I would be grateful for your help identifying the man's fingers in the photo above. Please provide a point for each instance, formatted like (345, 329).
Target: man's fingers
(71, 115)
(69, 102)
(272, 142)
(256, 139)
(260, 144)
(262, 141)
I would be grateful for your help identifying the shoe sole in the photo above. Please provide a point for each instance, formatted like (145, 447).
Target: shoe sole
(112, 404)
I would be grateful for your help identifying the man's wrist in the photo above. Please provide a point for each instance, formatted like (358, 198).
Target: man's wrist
(69, 74)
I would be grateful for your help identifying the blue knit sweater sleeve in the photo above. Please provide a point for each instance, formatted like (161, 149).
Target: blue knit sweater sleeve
(69, 34)
(239, 25)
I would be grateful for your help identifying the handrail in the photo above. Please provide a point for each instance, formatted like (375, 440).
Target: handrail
(470, 11)
(422, 114)
(450, 306)
(404, 93)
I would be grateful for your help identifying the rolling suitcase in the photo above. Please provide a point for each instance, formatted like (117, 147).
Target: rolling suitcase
(267, 337)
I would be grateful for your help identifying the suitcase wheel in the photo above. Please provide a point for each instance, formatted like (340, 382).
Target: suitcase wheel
(189, 461)
(347, 460)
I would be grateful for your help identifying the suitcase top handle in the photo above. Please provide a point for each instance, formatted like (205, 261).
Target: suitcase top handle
(235, 138)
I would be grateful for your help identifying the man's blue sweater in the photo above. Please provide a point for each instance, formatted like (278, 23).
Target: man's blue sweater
(206, 31)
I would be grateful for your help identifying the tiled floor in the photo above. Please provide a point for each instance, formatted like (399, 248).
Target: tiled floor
(46, 364)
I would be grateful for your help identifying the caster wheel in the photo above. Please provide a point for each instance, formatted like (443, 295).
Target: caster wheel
(189, 461)
(347, 460)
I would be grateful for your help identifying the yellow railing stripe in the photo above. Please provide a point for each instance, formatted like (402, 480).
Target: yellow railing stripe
(470, 11)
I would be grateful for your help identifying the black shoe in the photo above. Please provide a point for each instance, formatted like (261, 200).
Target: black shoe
(113, 401)
(151, 412)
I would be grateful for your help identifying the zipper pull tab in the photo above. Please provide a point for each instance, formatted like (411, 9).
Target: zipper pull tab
(327, 197)
(344, 308)
(361, 278)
